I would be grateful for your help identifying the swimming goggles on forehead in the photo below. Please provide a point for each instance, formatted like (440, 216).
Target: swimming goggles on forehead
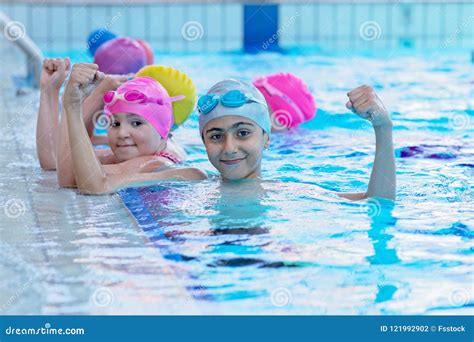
(136, 96)
(232, 99)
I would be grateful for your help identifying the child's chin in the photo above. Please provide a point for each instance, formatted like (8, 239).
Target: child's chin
(124, 156)
(233, 175)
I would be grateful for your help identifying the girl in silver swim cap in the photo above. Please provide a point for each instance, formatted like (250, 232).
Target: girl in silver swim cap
(235, 127)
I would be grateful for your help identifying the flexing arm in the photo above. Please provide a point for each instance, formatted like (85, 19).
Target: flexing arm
(92, 105)
(90, 175)
(52, 77)
(364, 102)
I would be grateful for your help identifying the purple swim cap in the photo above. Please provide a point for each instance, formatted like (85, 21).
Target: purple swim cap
(120, 56)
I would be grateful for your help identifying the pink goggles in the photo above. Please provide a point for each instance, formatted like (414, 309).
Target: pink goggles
(136, 96)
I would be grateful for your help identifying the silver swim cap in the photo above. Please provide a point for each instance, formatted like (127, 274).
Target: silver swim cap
(234, 97)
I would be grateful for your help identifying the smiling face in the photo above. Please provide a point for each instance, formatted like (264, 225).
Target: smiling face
(234, 145)
(131, 136)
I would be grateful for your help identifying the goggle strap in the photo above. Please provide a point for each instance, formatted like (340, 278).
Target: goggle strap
(177, 98)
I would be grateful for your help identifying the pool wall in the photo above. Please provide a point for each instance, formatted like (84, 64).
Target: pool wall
(214, 26)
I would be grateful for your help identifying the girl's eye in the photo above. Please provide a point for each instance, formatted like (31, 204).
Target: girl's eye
(114, 124)
(216, 137)
(136, 123)
(243, 133)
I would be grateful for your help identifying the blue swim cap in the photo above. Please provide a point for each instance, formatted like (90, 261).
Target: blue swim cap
(97, 38)
(234, 97)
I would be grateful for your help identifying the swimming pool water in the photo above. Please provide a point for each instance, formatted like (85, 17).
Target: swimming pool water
(287, 245)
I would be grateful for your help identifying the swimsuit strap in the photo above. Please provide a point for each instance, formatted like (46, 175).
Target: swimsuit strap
(168, 156)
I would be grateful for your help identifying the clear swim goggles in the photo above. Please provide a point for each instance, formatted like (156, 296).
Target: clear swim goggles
(233, 99)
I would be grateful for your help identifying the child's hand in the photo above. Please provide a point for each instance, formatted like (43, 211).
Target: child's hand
(84, 78)
(364, 102)
(111, 82)
(54, 72)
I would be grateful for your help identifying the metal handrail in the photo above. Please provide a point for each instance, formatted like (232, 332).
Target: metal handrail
(15, 32)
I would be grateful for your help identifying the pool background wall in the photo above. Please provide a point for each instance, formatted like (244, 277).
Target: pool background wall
(215, 26)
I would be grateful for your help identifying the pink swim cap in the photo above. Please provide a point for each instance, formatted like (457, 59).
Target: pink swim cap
(120, 56)
(289, 99)
(145, 97)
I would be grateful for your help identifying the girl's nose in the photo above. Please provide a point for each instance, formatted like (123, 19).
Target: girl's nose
(230, 145)
(123, 131)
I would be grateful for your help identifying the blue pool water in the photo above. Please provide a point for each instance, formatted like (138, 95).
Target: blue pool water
(287, 244)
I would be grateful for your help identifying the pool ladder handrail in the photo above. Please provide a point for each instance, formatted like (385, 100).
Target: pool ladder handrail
(34, 56)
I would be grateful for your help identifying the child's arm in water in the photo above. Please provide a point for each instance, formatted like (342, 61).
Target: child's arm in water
(53, 74)
(364, 102)
(92, 105)
(90, 175)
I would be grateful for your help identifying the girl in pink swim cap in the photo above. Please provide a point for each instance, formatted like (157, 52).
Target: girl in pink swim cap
(142, 104)
(52, 141)
(141, 116)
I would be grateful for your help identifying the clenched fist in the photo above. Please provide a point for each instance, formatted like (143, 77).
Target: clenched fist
(364, 102)
(54, 72)
(83, 80)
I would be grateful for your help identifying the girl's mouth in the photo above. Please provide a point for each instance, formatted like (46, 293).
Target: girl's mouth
(231, 161)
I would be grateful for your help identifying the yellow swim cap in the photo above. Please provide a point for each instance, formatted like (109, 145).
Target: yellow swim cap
(176, 83)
